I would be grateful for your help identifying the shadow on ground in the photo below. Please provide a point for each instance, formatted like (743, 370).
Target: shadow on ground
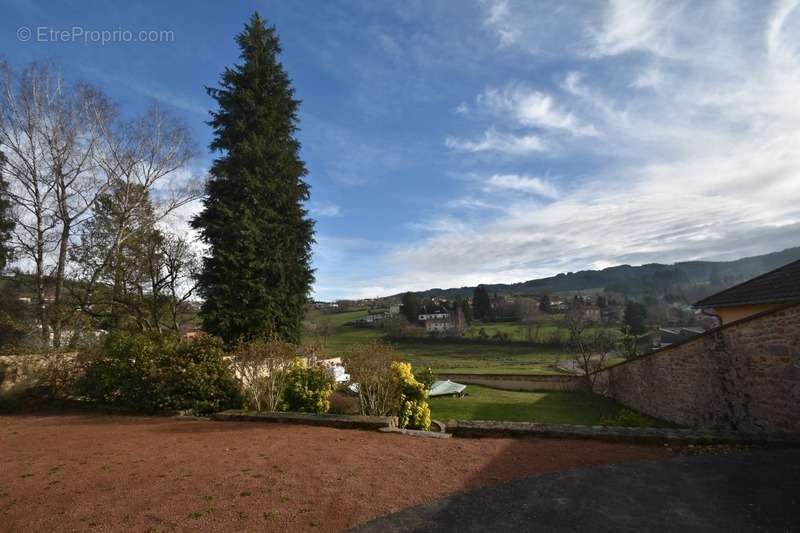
(749, 491)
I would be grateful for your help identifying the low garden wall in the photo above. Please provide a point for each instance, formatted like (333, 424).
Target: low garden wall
(324, 419)
(744, 376)
(22, 372)
(519, 382)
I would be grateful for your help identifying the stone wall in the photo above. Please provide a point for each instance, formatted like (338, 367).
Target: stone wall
(19, 373)
(744, 376)
(518, 382)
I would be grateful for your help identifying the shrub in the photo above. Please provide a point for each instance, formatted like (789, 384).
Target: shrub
(412, 411)
(370, 366)
(263, 365)
(426, 377)
(387, 387)
(627, 418)
(157, 372)
(308, 388)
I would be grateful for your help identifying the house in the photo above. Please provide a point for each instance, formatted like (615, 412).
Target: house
(438, 325)
(612, 314)
(671, 335)
(763, 293)
(432, 313)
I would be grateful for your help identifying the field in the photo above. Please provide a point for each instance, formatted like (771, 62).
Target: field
(546, 407)
(455, 357)
(548, 330)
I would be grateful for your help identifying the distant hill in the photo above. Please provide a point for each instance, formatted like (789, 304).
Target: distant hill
(691, 279)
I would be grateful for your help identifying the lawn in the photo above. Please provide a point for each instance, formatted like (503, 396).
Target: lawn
(546, 407)
(494, 358)
(546, 331)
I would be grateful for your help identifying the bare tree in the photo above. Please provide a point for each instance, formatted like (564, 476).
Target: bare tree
(590, 348)
(145, 162)
(370, 366)
(32, 188)
(181, 266)
(263, 366)
(49, 132)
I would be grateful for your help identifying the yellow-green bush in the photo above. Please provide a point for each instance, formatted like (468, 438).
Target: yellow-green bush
(413, 411)
(308, 387)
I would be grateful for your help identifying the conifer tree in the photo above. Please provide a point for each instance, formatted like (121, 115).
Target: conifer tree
(481, 305)
(257, 276)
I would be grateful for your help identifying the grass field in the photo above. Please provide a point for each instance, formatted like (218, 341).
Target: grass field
(481, 358)
(546, 331)
(455, 357)
(546, 407)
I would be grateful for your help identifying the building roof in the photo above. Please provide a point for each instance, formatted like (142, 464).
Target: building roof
(781, 285)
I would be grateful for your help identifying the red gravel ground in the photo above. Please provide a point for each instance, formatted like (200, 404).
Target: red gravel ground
(115, 473)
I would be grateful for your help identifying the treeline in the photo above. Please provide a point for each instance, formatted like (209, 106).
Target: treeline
(686, 281)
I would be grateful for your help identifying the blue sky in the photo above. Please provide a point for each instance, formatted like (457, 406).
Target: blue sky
(453, 143)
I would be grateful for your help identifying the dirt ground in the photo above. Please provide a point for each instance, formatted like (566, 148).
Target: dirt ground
(116, 473)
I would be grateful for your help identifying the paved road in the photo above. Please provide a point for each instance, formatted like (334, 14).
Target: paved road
(756, 491)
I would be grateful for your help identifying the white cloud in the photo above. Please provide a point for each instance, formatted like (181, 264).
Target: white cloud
(707, 165)
(533, 108)
(520, 183)
(495, 141)
(324, 209)
(638, 24)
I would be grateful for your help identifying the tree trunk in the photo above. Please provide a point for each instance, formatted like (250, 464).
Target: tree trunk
(59, 288)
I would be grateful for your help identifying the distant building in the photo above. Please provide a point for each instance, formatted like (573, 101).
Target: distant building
(677, 334)
(763, 293)
(432, 313)
(612, 314)
(438, 325)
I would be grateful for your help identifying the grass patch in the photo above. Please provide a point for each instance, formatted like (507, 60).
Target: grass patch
(545, 407)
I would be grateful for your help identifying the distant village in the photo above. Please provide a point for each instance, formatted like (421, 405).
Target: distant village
(665, 324)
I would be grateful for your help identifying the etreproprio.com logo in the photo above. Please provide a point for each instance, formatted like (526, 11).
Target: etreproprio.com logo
(79, 34)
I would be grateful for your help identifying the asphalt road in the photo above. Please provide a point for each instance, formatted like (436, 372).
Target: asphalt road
(749, 491)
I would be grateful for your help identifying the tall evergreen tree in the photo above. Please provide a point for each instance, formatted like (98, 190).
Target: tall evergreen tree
(481, 306)
(409, 307)
(6, 221)
(635, 317)
(257, 276)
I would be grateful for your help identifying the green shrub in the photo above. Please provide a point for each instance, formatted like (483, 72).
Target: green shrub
(426, 377)
(627, 418)
(308, 388)
(153, 373)
(413, 411)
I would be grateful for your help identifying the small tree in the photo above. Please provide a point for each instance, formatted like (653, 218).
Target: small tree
(635, 317)
(590, 349)
(545, 306)
(263, 367)
(629, 344)
(409, 307)
(370, 366)
(591, 352)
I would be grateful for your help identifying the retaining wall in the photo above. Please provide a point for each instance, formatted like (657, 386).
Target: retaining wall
(744, 376)
(518, 382)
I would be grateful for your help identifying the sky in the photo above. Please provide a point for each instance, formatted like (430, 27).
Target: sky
(451, 143)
